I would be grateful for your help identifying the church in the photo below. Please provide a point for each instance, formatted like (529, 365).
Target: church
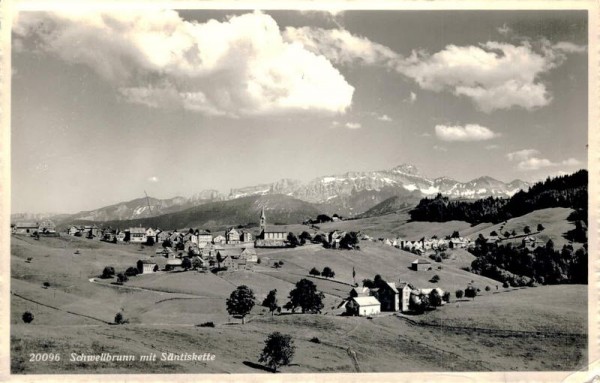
(270, 236)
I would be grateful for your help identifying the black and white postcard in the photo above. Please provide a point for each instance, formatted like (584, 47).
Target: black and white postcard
(296, 191)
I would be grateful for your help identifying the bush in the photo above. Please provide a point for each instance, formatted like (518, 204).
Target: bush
(120, 319)
(280, 263)
(435, 279)
(29, 259)
(122, 278)
(27, 317)
(258, 261)
(487, 288)
(459, 294)
(207, 324)
(315, 340)
(314, 271)
(438, 258)
(46, 285)
(446, 297)
(131, 272)
(108, 272)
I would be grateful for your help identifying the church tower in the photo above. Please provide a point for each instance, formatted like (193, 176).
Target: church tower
(263, 221)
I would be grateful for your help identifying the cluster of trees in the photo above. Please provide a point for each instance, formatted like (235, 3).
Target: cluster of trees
(327, 272)
(304, 296)
(469, 292)
(520, 266)
(563, 191)
(424, 302)
(322, 218)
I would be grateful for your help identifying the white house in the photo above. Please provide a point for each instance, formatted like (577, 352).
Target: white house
(137, 235)
(146, 266)
(150, 232)
(363, 306)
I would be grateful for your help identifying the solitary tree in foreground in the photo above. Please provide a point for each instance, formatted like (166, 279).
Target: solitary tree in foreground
(27, 317)
(240, 302)
(271, 301)
(279, 351)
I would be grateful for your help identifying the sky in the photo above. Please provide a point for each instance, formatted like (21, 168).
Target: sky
(107, 106)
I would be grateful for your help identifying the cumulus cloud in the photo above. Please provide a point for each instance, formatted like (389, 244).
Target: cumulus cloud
(353, 125)
(153, 179)
(521, 155)
(439, 148)
(528, 160)
(492, 147)
(245, 65)
(385, 118)
(494, 75)
(469, 132)
(240, 66)
(340, 46)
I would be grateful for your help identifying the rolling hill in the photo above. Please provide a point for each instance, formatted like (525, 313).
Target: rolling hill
(221, 214)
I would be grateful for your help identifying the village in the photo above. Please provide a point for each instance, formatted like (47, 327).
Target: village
(235, 250)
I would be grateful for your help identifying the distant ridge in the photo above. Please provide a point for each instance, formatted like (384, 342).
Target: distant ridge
(348, 194)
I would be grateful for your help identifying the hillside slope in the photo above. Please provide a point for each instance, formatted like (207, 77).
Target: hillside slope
(222, 214)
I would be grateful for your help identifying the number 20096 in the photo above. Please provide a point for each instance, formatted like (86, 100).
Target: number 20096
(44, 357)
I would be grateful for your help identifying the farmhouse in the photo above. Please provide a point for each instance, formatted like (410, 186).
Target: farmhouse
(25, 228)
(404, 290)
(335, 238)
(146, 266)
(162, 236)
(420, 265)
(74, 230)
(220, 239)
(227, 262)
(121, 235)
(47, 227)
(232, 236)
(360, 292)
(249, 255)
(247, 237)
(388, 297)
(363, 306)
(151, 233)
(204, 237)
(137, 234)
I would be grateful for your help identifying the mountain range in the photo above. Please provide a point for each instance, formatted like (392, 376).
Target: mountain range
(348, 194)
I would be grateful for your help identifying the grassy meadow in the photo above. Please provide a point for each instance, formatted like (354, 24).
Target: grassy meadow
(503, 329)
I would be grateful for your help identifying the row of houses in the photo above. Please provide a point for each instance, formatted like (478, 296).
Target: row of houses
(224, 258)
(388, 297)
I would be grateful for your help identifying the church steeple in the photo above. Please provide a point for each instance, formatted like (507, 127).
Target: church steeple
(263, 220)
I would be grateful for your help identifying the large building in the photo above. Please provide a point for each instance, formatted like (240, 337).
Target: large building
(270, 236)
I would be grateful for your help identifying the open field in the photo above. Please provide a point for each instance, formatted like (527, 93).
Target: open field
(164, 309)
